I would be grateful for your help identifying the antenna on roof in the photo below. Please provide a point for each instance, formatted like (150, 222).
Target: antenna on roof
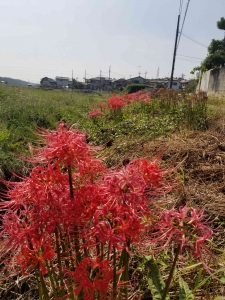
(139, 73)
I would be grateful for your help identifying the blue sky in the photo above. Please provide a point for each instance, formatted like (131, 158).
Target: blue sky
(50, 37)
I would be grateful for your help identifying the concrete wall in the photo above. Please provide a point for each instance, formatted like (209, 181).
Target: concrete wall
(213, 81)
(204, 82)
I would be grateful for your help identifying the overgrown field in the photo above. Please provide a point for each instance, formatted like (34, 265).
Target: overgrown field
(23, 109)
(134, 209)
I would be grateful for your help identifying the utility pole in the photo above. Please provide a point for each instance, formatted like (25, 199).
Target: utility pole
(100, 78)
(72, 81)
(175, 52)
(109, 71)
(85, 76)
(145, 74)
(157, 76)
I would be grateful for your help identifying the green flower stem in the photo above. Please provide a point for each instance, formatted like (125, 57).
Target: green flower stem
(114, 274)
(171, 273)
(77, 246)
(59, 259)
(44, 289)
(125, 273)
(70, 181)
(38, 283)
(52, 281)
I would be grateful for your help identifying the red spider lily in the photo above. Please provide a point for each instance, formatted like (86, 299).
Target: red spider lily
(100, 283)
(116, 222)
(125, 180)
(115, 102)
(106, 207)
(64, 146)
(152, 175)
(102, 106)
(95, 113)
(33, 258)
(185, 226)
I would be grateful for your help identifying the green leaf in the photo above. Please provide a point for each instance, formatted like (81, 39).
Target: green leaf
(185, 292)
(222, 280)
(155, 281)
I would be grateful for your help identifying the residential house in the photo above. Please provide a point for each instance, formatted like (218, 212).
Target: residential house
(176, 85)
(62, 81)
(119, 83)
(99, 83)
(157, 83)
(184, 83)
(136, 80)
(48, 82)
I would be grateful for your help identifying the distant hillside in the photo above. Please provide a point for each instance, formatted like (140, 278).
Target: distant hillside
(13, 81)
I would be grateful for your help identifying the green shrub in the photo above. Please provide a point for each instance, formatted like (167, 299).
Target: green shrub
(133, 88)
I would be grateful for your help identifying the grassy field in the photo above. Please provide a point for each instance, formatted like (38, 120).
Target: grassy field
(23, 109)
(186, 133)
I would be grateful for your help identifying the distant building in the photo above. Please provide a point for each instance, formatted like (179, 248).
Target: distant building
(184, 83)
(136, 80)
(119, 83)
(48, 82)
(99, 83)
(176, 85)
(157, 83)
(62, 81)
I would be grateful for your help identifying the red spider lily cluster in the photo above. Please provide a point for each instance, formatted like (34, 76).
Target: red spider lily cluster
(75, 223)
(117, 102)
(186, 227)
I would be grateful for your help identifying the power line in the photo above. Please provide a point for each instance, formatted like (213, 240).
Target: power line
(188, 60)
(181, 5)
(183, 23)
(193, 40)
(190, 56)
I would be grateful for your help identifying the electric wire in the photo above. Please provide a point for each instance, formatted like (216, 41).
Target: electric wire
(190, 56)
(193, 40)
(181, 5)
(183, 23)
(195, 61)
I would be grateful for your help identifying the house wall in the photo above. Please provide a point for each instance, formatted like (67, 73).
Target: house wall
(62, 82)
(97, 84)
(213, 82)
(138, 80)
(94, 85)
(176, 86)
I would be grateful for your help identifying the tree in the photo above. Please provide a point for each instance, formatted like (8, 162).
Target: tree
(77, 85)
(221, 24)
(216, 53)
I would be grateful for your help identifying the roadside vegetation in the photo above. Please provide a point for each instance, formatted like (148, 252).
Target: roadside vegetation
(122, 196)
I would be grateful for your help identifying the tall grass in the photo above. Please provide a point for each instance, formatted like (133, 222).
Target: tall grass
(23, 109)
